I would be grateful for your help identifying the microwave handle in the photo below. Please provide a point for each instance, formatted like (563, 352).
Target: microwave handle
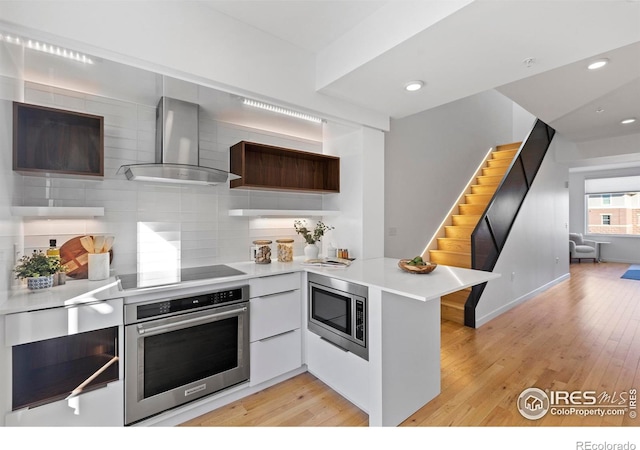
(181, 323)
(334, 344)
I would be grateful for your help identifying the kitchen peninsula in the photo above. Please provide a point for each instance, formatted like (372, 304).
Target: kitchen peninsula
(402, 372)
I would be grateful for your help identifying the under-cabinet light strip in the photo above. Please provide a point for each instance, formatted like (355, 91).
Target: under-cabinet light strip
(46, 48)
(280, 110)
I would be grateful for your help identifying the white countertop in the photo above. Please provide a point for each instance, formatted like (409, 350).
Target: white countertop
(385, 274)
(382, 273)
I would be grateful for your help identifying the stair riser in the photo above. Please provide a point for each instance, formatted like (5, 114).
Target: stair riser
(451, 259)
(471, 209)
(484, 188)
(465, 221)
(504, 154)
(451, 314)
(477, 199)
(482, 180)
(513, 146)
(495, 163)
(454, 245)
(494, 171)
(457, 232)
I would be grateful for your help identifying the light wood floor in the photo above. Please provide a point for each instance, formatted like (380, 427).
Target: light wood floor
(582, 334)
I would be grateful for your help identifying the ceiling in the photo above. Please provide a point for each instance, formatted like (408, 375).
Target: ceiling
(534, 52)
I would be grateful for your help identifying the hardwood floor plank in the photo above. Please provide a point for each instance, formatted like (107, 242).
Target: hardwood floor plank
(582, 334)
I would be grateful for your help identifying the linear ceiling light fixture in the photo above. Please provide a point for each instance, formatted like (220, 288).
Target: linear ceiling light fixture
(280, 110)
(597, 64)
(46, 48)
(628, 121)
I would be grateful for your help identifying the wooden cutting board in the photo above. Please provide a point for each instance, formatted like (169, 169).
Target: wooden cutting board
(76, 258)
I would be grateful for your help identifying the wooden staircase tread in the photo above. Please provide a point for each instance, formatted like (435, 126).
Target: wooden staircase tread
(510, 146)
(448, 252)
(501, 154)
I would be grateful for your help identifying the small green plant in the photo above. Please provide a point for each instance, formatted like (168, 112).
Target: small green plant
(311, 237)
(36, 265)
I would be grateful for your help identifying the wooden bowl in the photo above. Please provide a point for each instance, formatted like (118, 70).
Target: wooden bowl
(427, 268)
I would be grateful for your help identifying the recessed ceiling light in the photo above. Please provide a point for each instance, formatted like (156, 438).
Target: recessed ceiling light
(598, 64)
(412, 86)
(600, 110)
(628, 121)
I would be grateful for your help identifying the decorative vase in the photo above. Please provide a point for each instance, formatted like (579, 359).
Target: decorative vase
(40, 282)
(311, 251)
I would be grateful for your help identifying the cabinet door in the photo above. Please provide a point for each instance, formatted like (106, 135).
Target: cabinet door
(97, 408)
(343, 371)
(274, 314)
(275, 356)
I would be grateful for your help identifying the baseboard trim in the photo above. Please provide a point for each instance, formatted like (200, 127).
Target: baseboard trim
(512, 304)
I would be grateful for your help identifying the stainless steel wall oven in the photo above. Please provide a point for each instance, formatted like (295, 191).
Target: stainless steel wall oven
(180, 349)
(338, 313)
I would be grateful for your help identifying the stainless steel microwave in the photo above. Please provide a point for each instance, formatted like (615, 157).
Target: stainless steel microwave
(338, 313)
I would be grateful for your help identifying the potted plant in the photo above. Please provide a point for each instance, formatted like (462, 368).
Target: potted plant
(311, 237)
(38, 269)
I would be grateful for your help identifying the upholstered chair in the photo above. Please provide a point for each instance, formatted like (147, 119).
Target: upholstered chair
(580, 248)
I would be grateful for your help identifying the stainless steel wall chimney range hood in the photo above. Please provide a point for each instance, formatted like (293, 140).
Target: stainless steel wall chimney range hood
(177, 149)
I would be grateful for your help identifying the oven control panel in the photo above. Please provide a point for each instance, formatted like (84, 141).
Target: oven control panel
(176, 305)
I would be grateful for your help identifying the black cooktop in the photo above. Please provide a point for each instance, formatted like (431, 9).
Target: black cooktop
(154, 279)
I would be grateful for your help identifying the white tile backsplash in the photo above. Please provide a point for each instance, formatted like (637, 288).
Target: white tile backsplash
(158, 226)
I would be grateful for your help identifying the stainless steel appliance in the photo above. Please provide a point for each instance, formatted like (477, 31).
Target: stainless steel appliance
(177, 149)
(180, 349)
(338, 313)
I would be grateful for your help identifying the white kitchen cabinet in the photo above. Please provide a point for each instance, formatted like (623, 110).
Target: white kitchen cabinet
(274, 314)
(275, 355)
(341, 370)
(273, 284)
(275, 321)
(97, 408)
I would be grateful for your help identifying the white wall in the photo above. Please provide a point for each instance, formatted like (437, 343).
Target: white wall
(360, 225)
(430, 157)
(191, 222)
(535, 255)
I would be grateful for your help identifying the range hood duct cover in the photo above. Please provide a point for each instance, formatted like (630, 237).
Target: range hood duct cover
(177, 149)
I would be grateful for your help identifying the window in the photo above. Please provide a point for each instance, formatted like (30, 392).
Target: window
(612, 205)
(613, 213)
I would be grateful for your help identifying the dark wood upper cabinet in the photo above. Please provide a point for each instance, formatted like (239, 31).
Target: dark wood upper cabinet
(48, 141)
(275, 168)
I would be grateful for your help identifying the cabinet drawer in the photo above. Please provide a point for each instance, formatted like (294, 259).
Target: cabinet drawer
(50, 323)
(274, 314)
(274, 284)
(275, 356)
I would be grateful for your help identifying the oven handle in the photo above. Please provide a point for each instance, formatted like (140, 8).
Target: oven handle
(181, 323)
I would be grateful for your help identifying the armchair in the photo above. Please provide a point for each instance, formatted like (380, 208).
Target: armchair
(580, 248)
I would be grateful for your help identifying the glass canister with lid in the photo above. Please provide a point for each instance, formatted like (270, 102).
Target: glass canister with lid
(285, 250)
(262, 251)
